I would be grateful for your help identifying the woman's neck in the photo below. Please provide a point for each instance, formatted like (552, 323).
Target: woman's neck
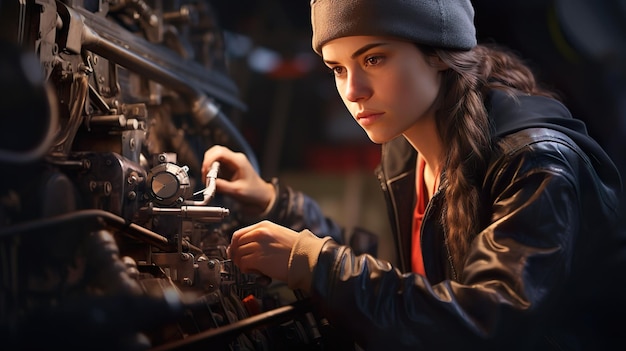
(425, 139)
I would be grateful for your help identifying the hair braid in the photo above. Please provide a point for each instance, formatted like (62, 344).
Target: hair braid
(465, 129)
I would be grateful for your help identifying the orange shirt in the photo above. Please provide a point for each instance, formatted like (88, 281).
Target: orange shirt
(417, 261)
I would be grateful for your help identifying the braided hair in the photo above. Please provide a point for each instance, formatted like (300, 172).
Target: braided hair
(464, 127)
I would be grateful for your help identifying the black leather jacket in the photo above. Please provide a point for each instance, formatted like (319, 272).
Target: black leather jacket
(546, 272)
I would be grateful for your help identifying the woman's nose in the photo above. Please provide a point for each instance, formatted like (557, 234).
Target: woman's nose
(357, 88)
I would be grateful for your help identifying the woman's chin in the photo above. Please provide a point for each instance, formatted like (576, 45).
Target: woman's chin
(377, 138)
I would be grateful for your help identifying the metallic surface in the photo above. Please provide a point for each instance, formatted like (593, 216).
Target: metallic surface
(109, 239)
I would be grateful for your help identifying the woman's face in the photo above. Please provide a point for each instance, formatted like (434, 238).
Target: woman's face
(388, 85)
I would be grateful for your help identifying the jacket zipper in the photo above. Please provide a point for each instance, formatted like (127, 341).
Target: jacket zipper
(444, 228)
(392, 210)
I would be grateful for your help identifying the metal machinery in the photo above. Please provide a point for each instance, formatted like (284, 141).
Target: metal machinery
(109, 239)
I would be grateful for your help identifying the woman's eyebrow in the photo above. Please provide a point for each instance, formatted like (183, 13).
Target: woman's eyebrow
(359, 51)
(365, 49)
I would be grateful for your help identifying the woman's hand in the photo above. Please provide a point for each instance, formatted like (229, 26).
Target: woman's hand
(263, 248)
(238, 179)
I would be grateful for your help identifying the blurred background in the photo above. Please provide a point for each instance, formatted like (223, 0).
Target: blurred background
(302, 133)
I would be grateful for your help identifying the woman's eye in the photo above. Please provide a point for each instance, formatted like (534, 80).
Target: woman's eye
(373, 60)
(336, 71)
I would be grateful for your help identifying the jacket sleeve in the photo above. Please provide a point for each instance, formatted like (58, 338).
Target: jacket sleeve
(298, 211)
(514, 275)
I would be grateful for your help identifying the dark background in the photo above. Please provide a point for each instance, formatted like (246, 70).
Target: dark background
(296, 121)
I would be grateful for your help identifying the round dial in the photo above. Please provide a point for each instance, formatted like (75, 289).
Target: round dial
(169, 184)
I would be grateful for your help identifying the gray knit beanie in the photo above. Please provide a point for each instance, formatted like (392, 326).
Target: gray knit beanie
(439, 23)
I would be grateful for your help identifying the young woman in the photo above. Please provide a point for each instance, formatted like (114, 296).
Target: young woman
(501, 205)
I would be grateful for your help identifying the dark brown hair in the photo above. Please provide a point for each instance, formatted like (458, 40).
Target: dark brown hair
(465, 129)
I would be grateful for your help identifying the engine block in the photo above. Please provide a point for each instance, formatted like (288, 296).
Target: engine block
(109, 239)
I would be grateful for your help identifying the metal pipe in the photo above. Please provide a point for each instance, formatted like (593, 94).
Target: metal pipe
(209, 190)
(221, 336)
(189, 79)
(209, 213)
(95, 218)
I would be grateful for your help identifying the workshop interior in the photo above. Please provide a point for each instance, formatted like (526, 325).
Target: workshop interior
(109, 237)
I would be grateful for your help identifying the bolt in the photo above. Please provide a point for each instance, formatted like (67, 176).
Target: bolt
(107, 188)
(103, 188)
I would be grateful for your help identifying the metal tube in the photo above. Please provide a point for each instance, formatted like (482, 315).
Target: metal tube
(210, 213)
(209, 190)
(95, 218)
(223, 335)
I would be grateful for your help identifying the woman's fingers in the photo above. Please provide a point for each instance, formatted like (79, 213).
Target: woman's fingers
(263, 247)
(221, 154)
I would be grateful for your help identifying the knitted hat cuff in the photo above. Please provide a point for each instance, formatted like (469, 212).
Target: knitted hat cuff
(440, 23)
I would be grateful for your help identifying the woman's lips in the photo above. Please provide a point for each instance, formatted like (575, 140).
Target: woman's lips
(368, 118)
